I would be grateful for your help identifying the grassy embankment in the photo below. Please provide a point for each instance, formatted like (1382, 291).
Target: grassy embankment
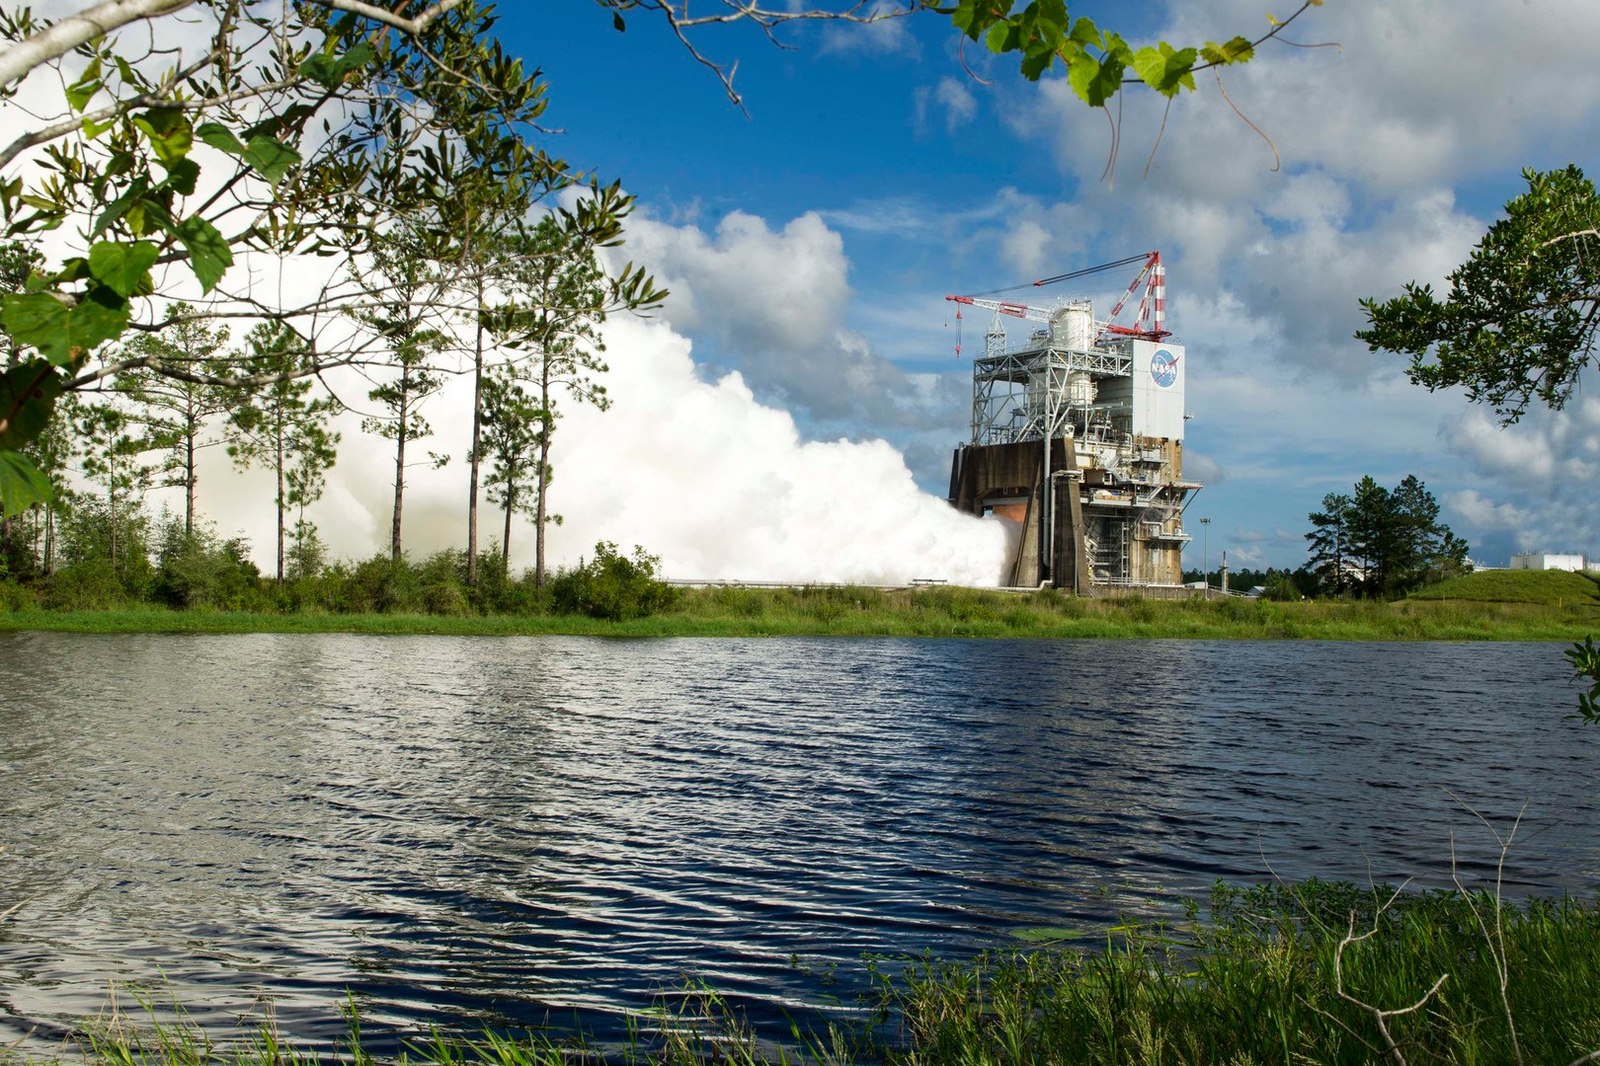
(1272, 975)
(1493, 605)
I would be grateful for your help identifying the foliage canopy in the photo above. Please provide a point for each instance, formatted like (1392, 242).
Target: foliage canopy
(1519, 321)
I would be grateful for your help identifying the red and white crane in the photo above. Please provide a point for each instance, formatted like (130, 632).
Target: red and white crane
(1147, 325)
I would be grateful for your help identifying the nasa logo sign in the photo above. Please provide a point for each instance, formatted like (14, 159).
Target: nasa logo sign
(1164, 368)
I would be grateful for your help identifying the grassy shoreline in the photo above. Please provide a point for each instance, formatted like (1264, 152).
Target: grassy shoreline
(1315, 972)
(920, 612)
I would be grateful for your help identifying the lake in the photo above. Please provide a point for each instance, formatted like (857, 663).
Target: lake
(495, 831)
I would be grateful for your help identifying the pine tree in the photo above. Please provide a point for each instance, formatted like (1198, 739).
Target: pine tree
(283, 426)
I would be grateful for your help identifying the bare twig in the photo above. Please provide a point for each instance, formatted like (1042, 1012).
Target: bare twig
(1495, 941)
(1380, 1016)
(1277, 161)
(1159, 133)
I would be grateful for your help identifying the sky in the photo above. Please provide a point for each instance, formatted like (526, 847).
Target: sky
(809, 239)
(790, 412)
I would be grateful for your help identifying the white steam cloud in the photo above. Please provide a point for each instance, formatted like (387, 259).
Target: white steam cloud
(719, 486)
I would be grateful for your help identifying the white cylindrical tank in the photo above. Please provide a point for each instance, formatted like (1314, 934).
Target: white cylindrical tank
(1072, 326)
(1080, 388)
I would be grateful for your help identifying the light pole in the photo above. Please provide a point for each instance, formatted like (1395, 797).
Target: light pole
(1205, 549)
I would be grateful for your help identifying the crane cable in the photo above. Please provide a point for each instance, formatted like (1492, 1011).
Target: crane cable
(1086, 271)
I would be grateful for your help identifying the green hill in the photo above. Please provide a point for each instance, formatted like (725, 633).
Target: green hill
(1552, 587)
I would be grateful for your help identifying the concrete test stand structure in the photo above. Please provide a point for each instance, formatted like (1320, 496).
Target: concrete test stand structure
(1077, 434)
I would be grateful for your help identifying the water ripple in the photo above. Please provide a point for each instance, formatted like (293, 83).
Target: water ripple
(464, 832)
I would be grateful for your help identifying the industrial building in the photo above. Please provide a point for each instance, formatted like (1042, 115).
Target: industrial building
(1548, 561)
(1077, 436)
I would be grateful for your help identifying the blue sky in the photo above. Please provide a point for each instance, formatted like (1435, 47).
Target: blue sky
(809, 243)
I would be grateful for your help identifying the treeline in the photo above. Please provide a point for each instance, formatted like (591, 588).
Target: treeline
(1276, 583)
(516, 307)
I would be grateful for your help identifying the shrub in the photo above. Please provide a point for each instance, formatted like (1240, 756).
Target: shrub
(612, 586)
(379, 585)
(196, 569)
(16, 597)
(90, 584)
(442, 582)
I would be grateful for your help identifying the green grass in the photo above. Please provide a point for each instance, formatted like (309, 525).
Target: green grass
(934, 612)
(1272, 974)
(1257, 983)
(1550, 587)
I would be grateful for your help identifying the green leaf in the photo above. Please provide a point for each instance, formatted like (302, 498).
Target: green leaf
(1119, 51)
(125, 267)
(1082, 76)
(966, 18)
(1036, 62)
(209, 254)
(356, 58)
(1087, 34)
(617, 23)
(1106, 81)
(92, 129)
(269, 158)
(319, 68)
(328, 70)
(27, 395)
(1002, 37)
(1165, 70)
(167, 131)
(38, 320)
(80, 92)
(182, 176)
(63, 333)
(1238, 50)
(100, 315)
(219, 137)
(22, 483)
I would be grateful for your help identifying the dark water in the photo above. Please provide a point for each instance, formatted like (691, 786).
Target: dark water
(471, 832)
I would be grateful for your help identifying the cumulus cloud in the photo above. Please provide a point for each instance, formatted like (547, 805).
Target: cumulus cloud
(1533, 479)
(773, 305)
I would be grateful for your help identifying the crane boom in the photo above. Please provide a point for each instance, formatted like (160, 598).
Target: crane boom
(1148, 325)
(1005, 307)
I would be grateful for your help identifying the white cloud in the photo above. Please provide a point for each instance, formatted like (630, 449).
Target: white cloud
(717, 484)
(775, 301)
(1535, 478)
(889, 34)
(949, 99)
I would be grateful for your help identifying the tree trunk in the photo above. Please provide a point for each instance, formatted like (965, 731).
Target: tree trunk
(505, 543)
(477, 436)
(278, 465)
(111, 512)
(190, 480)
(543, 474)
(401, 430)
(543, 471)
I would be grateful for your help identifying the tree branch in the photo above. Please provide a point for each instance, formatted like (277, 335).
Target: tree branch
(412, 26)
(62, 37)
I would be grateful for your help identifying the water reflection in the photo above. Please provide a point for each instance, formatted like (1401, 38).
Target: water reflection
(488, 831)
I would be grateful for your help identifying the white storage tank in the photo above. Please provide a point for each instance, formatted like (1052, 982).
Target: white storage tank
(1072, 326)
